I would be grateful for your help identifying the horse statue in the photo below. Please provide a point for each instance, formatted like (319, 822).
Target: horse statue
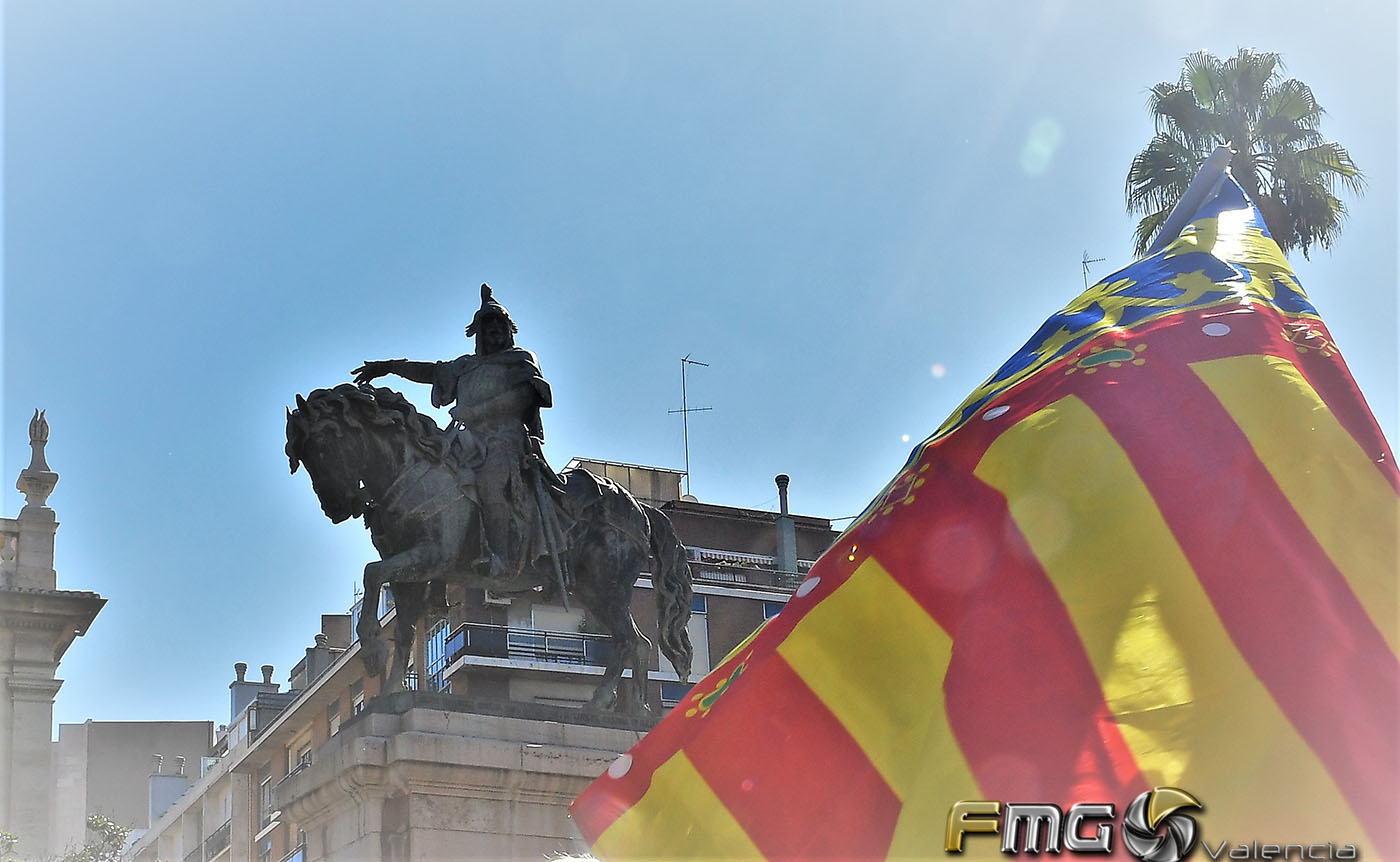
(370, 454)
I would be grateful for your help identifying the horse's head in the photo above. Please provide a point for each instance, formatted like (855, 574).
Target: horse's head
(324, 434)
(355, 440)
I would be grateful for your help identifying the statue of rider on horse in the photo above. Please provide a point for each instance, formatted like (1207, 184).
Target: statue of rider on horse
(478, 505)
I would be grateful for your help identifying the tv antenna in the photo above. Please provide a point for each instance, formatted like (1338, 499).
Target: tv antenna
(685, 412)
(1086, 263)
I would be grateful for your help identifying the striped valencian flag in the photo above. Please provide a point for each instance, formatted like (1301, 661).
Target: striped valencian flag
(1158, 548)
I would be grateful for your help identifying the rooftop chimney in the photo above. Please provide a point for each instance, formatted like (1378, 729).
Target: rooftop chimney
(786, 557)
(164, 790)
(318, 659)
(242, 691)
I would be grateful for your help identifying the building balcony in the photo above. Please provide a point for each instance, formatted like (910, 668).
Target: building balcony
(218, 840)
(715, 566)
(761, 577)
(482, 640)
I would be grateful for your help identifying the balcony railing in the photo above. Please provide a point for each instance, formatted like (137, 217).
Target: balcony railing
(733, 567)
(218, 840)
(488, 641)
(194, 855)
(298, 854)
(749, 576)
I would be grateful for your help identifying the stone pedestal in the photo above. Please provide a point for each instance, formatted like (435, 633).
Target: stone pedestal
(431, 777)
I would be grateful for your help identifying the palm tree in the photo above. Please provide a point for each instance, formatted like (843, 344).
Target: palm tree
(1280, 158)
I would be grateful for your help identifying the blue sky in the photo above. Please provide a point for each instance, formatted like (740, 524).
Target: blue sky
(853, 212)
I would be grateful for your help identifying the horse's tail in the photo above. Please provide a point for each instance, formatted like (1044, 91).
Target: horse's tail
(670, 578)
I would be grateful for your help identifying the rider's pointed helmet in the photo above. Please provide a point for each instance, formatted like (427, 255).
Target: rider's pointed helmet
(489, 306)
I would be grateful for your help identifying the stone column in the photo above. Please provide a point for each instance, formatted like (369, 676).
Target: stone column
(7, 724)
(31, 705)
(243, 825)
(37, 624)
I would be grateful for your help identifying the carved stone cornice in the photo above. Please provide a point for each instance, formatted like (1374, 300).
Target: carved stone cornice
(64, 614)
(33, 689)
(426, 752)
(25, 621)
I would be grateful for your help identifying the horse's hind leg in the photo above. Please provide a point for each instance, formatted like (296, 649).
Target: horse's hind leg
(630, 649)
(641, 661)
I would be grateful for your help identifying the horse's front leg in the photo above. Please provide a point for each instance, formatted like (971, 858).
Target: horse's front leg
(405, 566)
(410, 603)
(374, 653)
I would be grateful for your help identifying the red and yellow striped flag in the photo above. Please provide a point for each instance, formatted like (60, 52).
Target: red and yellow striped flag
(1157, 548)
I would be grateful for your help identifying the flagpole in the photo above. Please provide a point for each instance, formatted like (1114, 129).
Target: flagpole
(1202, 189)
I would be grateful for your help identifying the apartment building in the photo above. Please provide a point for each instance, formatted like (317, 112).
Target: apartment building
(119, 769)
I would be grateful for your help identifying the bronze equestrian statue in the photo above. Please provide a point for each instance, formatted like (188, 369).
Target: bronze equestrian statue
(477, 505)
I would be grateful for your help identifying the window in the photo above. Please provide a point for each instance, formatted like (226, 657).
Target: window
(265, 851)
(435, 650)
(772, 609)
(699, 604)
(673, 693)
(333, 718)
(265, 799)
(298, 755)
(357, 697)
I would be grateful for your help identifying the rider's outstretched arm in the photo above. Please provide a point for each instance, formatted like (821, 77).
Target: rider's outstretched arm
(418, 372)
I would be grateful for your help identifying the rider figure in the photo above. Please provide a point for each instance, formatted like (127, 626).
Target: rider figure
(499, 392)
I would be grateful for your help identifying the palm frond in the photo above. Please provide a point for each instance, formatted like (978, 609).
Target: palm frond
(1292, 101)
(1330, 164)
(1176, 108)
(1201, 75)
(1248, 76)
(1315, 215)
(1147, 228)
(1159, 174)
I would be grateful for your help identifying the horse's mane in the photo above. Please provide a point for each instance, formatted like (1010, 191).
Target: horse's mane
(369, 407)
